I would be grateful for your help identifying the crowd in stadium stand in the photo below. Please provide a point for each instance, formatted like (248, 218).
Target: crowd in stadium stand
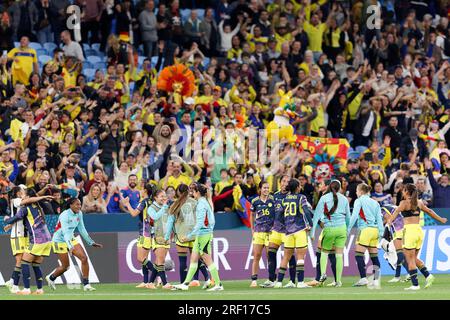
(86, 117)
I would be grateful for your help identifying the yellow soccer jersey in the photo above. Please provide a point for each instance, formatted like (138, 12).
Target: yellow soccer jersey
(22, 66)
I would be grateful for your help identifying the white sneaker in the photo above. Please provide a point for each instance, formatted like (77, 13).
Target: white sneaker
(413, 288)
(429, 281)
(50, 283)
(180, 286)
(394, 280)
(24, 292)
(267, 284)
(216, 288)
(302, 285)
(14, 289)
(338, 284)
(290, 284)
(9, 284)
(361, 282)
(88, 287)
(333, 284)
(207, 284)
(254, 284)
(374, 285)
(278, 285)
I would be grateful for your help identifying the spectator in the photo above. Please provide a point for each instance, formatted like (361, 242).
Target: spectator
(148, 24)
(71, 48)
(24, 16)
(91, 13)
(24, 61)
(441, 188)
(131, 192)
(93, 201)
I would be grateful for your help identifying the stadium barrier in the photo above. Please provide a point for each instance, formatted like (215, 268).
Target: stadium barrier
(231, 250)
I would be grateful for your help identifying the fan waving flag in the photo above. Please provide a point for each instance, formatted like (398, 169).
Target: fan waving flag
(335, 147)
(242, 206)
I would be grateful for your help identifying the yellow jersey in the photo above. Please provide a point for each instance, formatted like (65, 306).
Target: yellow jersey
(22, 66)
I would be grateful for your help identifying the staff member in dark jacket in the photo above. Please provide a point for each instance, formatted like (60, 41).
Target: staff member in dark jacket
(441, 188)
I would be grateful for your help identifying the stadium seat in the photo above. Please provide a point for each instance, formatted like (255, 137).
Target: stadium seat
(16, 44)
(200, 14)
(154, 61)
(87, 65)
(35, 45)
(141, 60)
(205, 62)
(50, 46)
(43, 59)
(100, 65)
(96, 46)
(42, 52)
(140, 50)
(185, 14)
(89, 73)
(86, 46)
(90, 52)
(94, 59)
(360, 149)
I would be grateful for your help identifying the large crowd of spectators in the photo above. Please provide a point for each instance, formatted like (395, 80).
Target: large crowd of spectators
(102, 136)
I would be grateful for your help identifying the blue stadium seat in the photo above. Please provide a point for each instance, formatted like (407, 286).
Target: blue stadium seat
(185, 14)
(96, 46)
(140, 50)
(360, 149)
(141, 60)
(16, 44)
(43, 59)
(42, 52)
(50, 46)
(90, 52)
(205, 62)
(35, 45)
(89, 73)
(94, 59)
(154, 61)
(86, 46)
(200, 14)
(99, 65)
(87, 65)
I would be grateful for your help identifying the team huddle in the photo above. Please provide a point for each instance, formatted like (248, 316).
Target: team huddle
(282, 218)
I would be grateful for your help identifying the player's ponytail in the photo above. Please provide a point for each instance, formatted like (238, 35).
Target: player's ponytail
(334, 187)
(411, 189)
(182, 195)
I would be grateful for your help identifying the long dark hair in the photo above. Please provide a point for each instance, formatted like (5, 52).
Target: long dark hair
(183, 194)
(411, 189)
(334, 187)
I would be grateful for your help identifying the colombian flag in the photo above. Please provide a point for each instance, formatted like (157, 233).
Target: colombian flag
(241, 206)
(335, 147)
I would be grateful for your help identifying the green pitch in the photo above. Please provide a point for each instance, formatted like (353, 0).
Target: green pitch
(239, 290)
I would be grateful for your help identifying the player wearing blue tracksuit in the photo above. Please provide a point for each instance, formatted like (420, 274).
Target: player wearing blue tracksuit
(63, 243)
(367, 214)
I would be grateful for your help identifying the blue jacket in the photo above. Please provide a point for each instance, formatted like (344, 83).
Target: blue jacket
(368, 214)
(204, 217)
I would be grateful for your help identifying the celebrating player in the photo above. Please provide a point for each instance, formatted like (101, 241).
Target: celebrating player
(203, 233)
(335, 222)
(19, 237)
(413, 235)
(397, 227)
(64, 243)
(276, 239)
(158, 212)
(263, 213)
(296, 214)
(144, 242)
(40, 242)
(370, 227)
(182, 221)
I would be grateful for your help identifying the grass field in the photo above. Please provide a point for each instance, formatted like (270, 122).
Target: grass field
(239, 290)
